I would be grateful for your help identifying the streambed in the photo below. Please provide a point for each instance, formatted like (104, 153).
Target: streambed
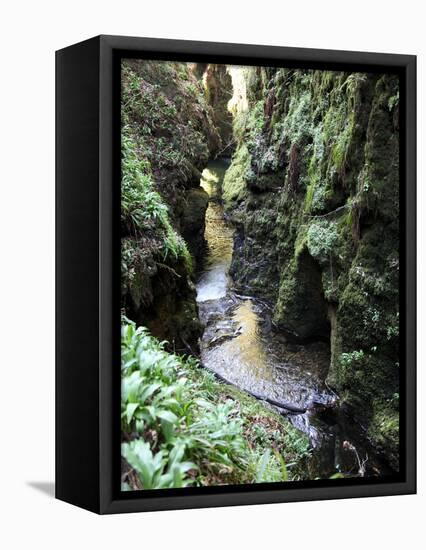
(240, 344)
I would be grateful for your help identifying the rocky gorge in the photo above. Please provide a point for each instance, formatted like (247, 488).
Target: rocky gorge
(306, 193)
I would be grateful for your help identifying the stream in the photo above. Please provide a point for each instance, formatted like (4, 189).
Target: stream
(240, 344)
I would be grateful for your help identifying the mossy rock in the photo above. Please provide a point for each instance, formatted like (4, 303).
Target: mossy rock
(234, 183)
(323, 147)
(193, 220)
(301, 309)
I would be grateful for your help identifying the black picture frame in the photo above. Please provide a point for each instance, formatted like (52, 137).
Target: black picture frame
(88, 278)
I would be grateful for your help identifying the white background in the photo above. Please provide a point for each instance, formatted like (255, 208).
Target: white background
(29, 34)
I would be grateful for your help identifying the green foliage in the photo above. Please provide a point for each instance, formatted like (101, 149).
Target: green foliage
(353, 82)
(160, 470)
(384, 427)
(317, 195)
(248, 124)
(166, 135)
(256, 119)
(271, 467)
(194, 89)
(392, 329)
(298, 123)
(181, 429)
(393, 101)
(322, 239)
(163, 105)
(348, 359)
(142, 208)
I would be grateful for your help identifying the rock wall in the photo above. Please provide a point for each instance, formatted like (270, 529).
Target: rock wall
(218, 92)
(313, 190)
(168, 135)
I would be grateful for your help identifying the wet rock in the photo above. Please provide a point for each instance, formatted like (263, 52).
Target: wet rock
(218, 89)
(193, 221)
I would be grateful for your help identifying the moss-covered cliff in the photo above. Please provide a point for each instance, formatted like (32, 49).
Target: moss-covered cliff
(313, 192)
(168, 135)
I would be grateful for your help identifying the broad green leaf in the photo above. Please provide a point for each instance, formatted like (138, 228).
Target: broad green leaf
(167, 415)
(130, 411)
(283, 465)
(147, 391)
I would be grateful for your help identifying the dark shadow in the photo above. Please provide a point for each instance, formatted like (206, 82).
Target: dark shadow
(46, 487)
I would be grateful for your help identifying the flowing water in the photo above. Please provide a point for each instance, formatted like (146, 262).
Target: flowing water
(240, 344)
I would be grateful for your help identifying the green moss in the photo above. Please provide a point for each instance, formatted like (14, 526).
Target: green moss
(143, 209)
(168, 115)
(297, 124)
(309, 197)
(384, 430)
(326, 170)
(300, 308)
(234, 182)
(168, 136)
(256, 119)
(339, 152)
(378, 184)
(301, 241)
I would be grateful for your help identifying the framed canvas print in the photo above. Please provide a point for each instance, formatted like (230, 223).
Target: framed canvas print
(235, 274)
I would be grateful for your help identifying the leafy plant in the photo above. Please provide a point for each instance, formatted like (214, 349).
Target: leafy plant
(352, 358)
(322, 238)
(180, 429)
(157, 471)
(142, 208)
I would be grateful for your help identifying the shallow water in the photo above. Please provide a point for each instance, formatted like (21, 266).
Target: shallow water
(239, 343)
(213, 283)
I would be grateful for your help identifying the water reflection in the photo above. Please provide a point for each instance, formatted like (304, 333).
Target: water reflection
(213, 282)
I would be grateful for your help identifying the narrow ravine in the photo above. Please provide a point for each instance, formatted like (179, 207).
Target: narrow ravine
(278, 272)
(240, 344)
